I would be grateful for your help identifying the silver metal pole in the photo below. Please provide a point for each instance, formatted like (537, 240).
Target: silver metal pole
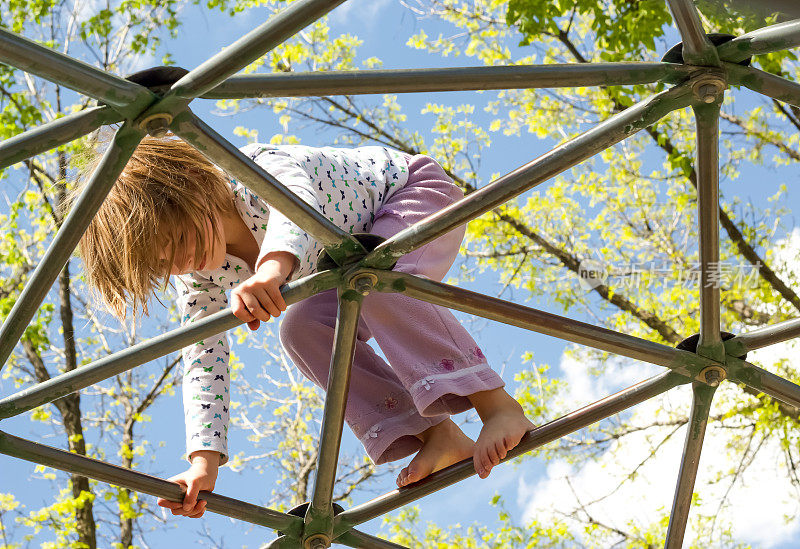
(740, 371)
(707, 120)
(338, 243)
(778, 37)
(126, 97)
(534, 439)
(354, 538)
(144, 352)
(52, 134)
(695, 432)
(765, 83)
(768, 335)
(697, 49)
(251, 46)
(446, 79)
(120, 476)
(563, 157)
(319, 519)
(681, 362)
(71, 231)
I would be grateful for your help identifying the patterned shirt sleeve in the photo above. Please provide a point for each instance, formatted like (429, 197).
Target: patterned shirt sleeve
(206, 384)
(281, 233)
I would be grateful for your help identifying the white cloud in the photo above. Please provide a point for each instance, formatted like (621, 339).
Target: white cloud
(366, 12)
(759, 502)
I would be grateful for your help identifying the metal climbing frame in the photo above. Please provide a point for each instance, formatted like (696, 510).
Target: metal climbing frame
(698, 78)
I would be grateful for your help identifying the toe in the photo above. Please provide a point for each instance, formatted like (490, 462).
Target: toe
(491, 453)
(501, 449)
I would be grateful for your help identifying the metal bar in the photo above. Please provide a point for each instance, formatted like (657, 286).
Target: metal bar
(219, 150)
(126, 97)
(354, 538)
(767, 39)
(707, 165)
(765, 83)
(147, 484)
(446, 79)
(599, 138)
(762, 337)
(683, 362)
(251, 46)
(697, 48)
(151, 349)
(71, 231)
(740, 371)
(53, 134)
(695, 432)
(319, 519)
(534, 439)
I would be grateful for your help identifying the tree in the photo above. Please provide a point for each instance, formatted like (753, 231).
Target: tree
(628, 207)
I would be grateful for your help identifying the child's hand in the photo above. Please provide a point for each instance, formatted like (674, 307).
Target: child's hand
(259, 297)
(202, 475)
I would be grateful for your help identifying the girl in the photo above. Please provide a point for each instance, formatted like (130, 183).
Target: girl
(172, 212)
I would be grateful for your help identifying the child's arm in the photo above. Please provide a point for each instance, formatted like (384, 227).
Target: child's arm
(259, 297)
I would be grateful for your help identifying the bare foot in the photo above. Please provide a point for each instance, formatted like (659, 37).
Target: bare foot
(504, 425)
(442, 445)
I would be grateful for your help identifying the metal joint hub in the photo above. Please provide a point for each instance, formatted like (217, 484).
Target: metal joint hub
(712, 375)
(708, 87)
(363, 283)
(157, 124)
(317, 541)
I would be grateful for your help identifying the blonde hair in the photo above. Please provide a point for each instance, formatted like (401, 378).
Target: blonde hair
(167, 189)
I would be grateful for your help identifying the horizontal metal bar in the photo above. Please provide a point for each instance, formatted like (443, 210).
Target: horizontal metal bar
(741, 371)
(147, 484)
(126, 97)
(354, 538)
(151, 349)
(534, 439)
(764, 40)
(690, 461)
(447, 79)
(697, 48)
(53, 134)
(765, 83)
(319, 518)
(251, 46)
(338, 243)
(71, 231)
(762, 337)
(682, 362)
(599, 138)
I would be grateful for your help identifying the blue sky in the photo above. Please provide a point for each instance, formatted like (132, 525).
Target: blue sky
(384, 26)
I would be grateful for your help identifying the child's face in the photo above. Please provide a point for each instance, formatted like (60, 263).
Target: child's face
(186, 252)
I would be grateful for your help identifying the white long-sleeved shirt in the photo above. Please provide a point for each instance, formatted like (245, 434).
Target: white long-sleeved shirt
(348, 186)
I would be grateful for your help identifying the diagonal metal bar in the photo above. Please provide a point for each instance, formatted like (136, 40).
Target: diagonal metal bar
(707, 162)
(447, 79)
(120, 476)
(762, 337)
(682, 362)
(53, 134)
(764, 40)
(697, 48)
(319, 519)
(540, 436)
(251, 46)
(740, 371)
(126, 97)
(222, 152)
(71, 231)
(354, 538)
(151, 349)
(695, 432)
(563, 157)
(765, 83)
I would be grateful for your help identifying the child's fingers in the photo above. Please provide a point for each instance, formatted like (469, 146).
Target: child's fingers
(254, 324)
(191, 495)
(169, 504)
(266, 301)
(254, 306)
(198, 510)
(239, 309)
(277, 297)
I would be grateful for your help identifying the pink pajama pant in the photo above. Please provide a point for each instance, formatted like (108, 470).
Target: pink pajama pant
(435, 363)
